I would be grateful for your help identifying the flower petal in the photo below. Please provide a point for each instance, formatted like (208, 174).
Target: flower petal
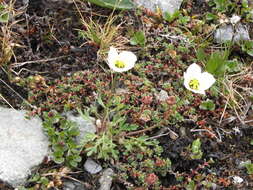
(112, 56)
(129, 58)
(193, 69)
(200, 92)
(187, 79)
(206, 80)
(116, 69)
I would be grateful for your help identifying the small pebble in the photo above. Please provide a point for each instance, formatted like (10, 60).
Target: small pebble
(92, 167)
(162, 96)
(182, 131)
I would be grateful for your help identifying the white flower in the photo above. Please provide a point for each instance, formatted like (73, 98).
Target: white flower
(234, 19)
(121, 62)
(196, 81)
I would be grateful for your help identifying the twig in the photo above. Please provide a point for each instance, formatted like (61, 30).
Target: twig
(158, 136)
(220, 139)
(14, 65)
(17, 95)
(6, 101)
(249, 121)
(64, 176)
(223, 112)
(141, 131)
(238, 116)
(205, 130)
(24, 69)
(164, 134)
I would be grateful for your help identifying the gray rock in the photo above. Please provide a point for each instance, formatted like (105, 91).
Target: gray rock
(72, 185)
(23, 146)
(241, 33)
(69, 185)
(92, 167)
(227, 33)
(162, 96)
(165, 5)
(224, 33)
(85, 126)
(106, 179)
(25, 2)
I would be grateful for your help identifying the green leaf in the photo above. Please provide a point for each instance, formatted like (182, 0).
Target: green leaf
(217, 62)
(247, 46)
(249, 168)
(138, 39)
(171, 17)
(2, 7)
(207, 105)
(58, 160)
(58, 153)
(196, 149)
(44, 181)
(191, 185)
(250, 52)
(201, 55)
(85, 114)
(78, 158)
(74, 131)
(73, 163)
(210, 16)
(35, 178)
(89, 137)
(233, 66)
(129, 127)
(91, 150)
(196, 145)
(114, 4)
(100, 101)
(184, 19)
(4, 17)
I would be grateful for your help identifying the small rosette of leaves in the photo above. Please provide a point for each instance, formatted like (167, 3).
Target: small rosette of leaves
(196, 149)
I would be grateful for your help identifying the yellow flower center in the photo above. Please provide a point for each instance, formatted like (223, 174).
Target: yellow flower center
(120, 64)
(194, 84)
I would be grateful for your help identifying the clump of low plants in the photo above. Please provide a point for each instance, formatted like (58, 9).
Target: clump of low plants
(62, 135)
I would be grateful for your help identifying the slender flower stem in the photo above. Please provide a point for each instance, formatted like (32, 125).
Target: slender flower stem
(113, 81)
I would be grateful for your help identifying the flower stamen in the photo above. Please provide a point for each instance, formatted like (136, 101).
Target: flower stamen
(194, 84)
(120, 64)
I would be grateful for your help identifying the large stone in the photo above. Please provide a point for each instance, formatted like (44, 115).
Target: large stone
(229, 32)
(169, 6)
(23, 146)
